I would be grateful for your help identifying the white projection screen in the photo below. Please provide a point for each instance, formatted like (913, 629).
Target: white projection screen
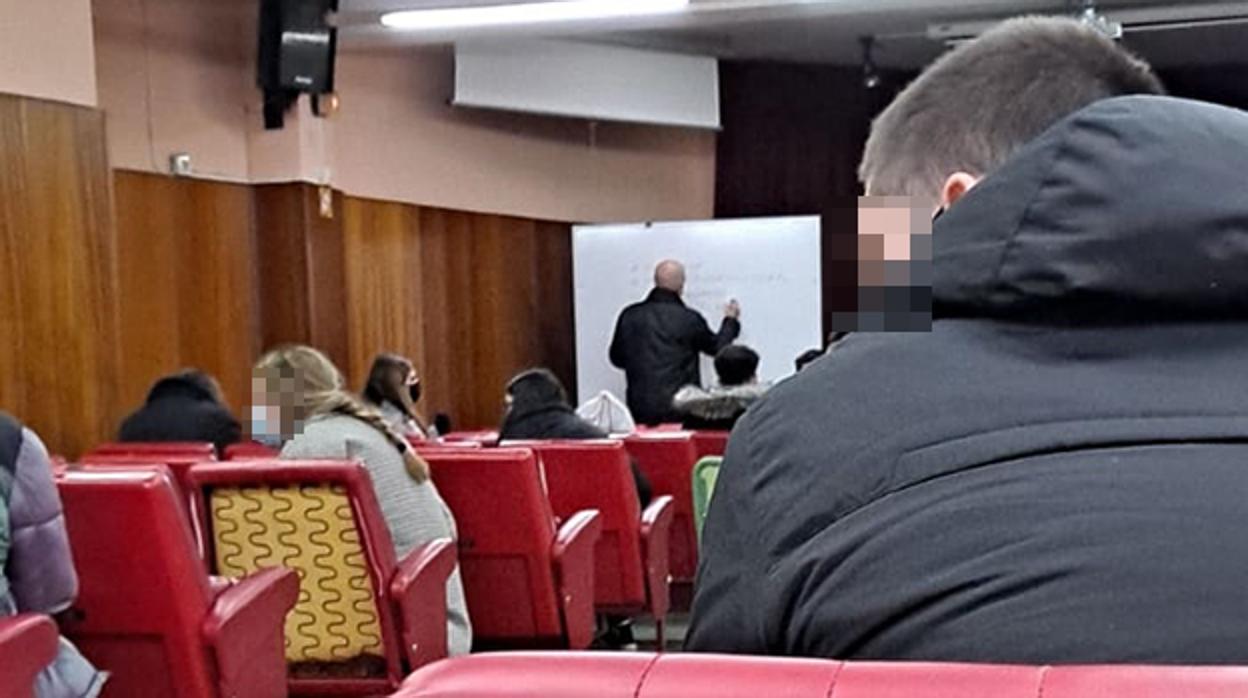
(770, 265)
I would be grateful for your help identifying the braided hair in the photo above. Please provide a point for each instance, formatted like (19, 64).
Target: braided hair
(318, 383)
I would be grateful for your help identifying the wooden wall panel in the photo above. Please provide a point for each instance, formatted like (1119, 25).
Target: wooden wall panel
(300, 268)
(188, 288)
(381, 249)
(471, 298)
(58, 305)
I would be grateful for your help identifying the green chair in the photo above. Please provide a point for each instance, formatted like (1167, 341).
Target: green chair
(704, 475)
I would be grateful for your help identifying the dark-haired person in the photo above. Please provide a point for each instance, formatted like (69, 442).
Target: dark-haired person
(36, 566)
(1052, 474)
(394, 389)
(185, 406)
(658, 342)
(811, 355)
(720, 407)
(538, 408)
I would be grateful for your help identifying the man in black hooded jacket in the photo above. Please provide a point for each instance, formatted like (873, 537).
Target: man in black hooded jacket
(1056, 472)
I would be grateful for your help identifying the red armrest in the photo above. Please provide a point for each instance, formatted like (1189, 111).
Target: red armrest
(418, 592)
(244, 631)
(656, 527)
(29, 645)
(573, 554)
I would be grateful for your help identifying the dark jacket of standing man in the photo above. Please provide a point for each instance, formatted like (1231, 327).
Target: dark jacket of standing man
(657, 343)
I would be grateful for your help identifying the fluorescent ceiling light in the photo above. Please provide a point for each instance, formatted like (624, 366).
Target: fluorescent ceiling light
(527, 13)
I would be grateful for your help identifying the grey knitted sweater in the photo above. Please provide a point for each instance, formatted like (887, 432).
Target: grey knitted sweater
(414, 512)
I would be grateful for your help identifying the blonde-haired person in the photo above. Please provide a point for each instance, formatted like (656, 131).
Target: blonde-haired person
(297, 393)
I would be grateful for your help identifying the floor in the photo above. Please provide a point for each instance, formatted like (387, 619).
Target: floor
(677, 627)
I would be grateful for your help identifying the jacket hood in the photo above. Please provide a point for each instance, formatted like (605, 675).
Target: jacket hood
(718, 402)
(1132, 209)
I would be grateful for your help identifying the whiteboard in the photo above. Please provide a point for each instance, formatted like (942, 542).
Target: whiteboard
(770, 265)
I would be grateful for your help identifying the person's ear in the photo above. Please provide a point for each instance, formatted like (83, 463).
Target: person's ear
(956, 186)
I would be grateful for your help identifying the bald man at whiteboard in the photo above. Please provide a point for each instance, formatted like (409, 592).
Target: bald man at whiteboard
(657, 343)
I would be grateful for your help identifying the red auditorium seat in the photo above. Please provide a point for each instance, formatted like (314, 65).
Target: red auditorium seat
(710, 443)
(422, 445)
(632, 675)
(179, 456)
(182, 449)
(27, 645)
(667, 459)
(395, 609)
(146, 611)
(485, 437)
(249, 450)
(631, 568)
(527, 583)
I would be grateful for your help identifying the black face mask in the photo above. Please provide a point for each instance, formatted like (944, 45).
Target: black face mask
(414, 392)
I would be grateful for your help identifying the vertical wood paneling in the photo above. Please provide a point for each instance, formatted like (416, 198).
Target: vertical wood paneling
(381, 249)
(467, 296)
(300, 270)
(188, 286)
(96, 305)
(58, 304)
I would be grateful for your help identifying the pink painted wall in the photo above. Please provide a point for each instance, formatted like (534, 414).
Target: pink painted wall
(173, 77)
(46, 50)
(177, 76)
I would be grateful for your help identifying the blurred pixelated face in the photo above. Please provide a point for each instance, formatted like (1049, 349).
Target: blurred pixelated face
(277, 405)
(894, 264)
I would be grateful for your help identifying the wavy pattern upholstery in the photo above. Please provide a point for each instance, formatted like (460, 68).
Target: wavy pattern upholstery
(311, 530)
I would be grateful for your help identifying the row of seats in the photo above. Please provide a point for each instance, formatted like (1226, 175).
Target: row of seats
(150, 611)
(586, 549)
(634, 675)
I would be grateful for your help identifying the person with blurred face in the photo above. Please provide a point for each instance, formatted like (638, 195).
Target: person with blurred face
(1052, 473)
(300, 403)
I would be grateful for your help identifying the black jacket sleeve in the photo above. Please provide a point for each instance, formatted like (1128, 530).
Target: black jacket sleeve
(644, 491)
(711, 343)
(726, 603)
(619, 350)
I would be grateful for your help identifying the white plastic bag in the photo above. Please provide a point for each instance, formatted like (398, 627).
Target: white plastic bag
(608, 412)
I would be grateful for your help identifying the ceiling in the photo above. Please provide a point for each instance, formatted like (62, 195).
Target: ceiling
(823, 31)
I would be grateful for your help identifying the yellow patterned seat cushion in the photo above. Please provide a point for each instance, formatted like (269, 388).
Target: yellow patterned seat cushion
(311, 530)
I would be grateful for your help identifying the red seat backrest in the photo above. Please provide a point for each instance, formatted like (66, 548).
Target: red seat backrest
(667, 459)
(597, 475)
(200, 450)
(143, 590)
(710, 443)
(506, 534)
(27, 645)
(179, 457)
(634, 675)
(484, 437)
(249, 450)
(374, 536)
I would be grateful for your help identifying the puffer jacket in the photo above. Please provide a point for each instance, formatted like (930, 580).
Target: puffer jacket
(718, 407)
(35, 557)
